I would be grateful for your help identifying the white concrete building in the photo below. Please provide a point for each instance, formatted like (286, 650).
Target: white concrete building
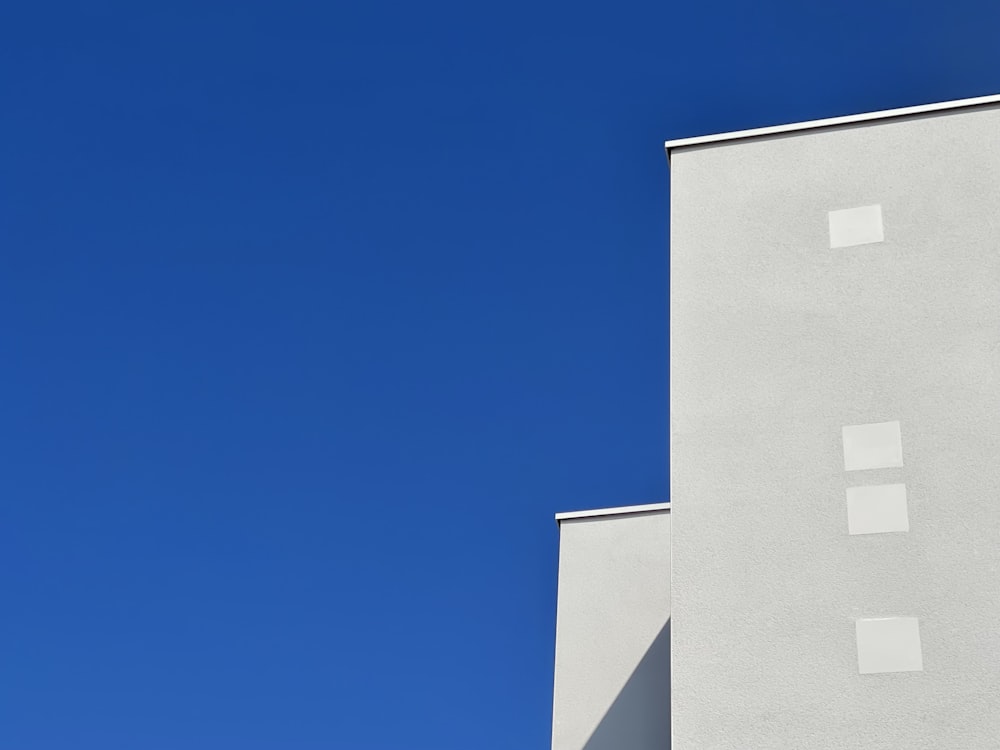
(612, 677)
(835, 430)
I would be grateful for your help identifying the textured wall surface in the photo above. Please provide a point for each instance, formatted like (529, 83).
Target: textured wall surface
(612, 676)
(777, 343)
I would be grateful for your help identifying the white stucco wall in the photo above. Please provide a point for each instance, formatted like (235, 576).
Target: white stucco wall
(612, 671)
(778, 342)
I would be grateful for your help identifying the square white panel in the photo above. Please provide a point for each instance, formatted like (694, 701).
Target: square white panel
(877, 509)
(856, 226)
(889, 644)
(872, 446)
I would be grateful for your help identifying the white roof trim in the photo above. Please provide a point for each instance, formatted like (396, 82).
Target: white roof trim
(622, 511)
(831, 121)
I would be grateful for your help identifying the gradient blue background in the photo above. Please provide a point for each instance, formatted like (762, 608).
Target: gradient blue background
(313, 314)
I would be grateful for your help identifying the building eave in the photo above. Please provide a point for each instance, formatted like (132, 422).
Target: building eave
(829, 122)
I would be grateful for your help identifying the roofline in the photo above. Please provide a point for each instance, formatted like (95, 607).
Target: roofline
(624, 510)
(831, 121)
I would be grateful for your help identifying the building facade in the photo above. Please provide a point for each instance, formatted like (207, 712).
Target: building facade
(612, 672)
(835, 429)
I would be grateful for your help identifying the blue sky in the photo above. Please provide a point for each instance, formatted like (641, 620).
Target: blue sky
(313, 314)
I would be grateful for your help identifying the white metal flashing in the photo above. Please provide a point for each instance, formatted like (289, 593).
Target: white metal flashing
(622, 511)
(831, 121)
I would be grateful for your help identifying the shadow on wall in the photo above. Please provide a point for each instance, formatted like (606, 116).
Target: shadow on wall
(639, 719)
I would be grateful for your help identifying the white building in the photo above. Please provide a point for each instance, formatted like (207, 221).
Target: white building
(612, 677)
(835, 435)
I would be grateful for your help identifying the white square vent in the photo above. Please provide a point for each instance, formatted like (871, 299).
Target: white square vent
(878, 509)
(856, 226)
(872, 446)
(889, 644)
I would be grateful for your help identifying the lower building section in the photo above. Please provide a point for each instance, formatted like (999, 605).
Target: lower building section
(612, 671)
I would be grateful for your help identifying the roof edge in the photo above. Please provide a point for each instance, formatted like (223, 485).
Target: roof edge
(831, 121)
(621, 511)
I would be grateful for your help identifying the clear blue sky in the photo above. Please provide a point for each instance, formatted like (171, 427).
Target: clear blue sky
(313, 314)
